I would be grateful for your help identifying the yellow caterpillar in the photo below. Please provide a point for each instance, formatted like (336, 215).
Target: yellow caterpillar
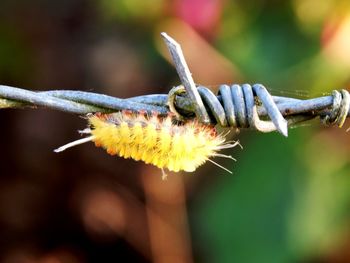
(156, 140)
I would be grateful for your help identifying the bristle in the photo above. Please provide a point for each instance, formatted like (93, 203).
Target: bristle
(156, 140)
(85, 131)
(224, 156)
(220, 166)
(74, 143)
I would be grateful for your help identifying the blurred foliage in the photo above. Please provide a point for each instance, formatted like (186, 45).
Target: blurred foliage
(244, 218)
(15, 56)
(288, 200)
(129, 10)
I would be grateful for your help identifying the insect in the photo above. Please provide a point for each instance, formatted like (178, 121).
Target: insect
(154, 139)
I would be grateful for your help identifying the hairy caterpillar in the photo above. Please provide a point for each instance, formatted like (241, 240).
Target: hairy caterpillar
(161, 141)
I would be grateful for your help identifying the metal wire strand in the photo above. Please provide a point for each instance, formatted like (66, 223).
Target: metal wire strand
(77, 102)
(240, 106)
(234, 106)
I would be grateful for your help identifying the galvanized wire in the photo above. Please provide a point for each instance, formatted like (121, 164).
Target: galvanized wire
(229, 108)
(238, 106)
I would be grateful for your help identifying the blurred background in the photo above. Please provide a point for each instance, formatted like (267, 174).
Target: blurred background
(288, 200)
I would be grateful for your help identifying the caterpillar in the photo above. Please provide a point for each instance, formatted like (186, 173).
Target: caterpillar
(154, 139)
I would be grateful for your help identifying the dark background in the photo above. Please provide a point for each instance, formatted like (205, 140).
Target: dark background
(287, 200)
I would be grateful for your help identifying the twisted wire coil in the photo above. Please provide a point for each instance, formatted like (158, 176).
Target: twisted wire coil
(236, 106)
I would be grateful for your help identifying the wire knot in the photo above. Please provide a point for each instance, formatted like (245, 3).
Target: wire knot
(235, 106)
(339, 111)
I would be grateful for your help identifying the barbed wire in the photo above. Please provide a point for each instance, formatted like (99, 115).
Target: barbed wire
(239, 106)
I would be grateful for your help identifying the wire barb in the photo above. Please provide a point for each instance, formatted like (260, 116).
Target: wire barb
(186, 77)
(234, 106)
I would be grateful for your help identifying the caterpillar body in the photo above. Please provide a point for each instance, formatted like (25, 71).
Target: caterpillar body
(153, 139)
